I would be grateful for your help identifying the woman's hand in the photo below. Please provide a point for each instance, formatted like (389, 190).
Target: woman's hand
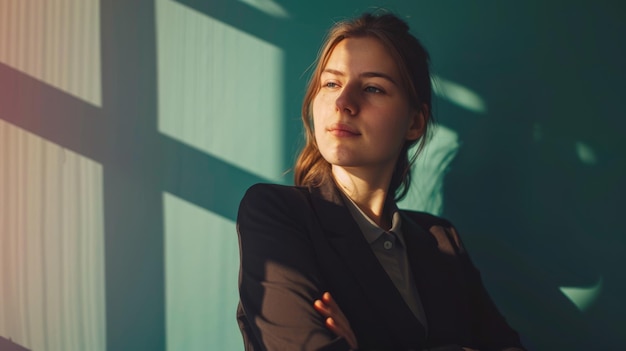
(336, 321)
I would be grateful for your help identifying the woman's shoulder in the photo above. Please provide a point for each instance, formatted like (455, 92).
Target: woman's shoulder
(283, 208)
(439, 229)
(427, 220)
(266, 197)
(267, 191)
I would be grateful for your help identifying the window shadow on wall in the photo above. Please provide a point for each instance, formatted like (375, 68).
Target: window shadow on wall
(535, 214)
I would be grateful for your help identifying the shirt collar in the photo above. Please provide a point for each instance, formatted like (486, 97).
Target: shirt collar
(371, 231)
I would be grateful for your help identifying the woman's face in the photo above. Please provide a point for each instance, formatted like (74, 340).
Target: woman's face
(361, 114)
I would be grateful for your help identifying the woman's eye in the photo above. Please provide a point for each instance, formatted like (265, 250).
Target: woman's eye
(374, 90)
(330, 85)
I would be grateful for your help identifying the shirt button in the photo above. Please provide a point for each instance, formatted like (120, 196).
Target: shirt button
(388, 245)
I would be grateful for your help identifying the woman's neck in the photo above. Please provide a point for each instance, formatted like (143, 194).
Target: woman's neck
(368, 190)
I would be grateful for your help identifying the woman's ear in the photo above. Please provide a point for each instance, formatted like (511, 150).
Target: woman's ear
(417, 123)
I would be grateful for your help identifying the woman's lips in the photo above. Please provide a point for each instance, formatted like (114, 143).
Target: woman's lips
(343, 130)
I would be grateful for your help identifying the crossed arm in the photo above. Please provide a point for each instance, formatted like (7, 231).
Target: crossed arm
(284, 305)
(336, 321)
(279, 280)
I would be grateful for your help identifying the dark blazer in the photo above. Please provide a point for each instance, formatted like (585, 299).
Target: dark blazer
(296, 243)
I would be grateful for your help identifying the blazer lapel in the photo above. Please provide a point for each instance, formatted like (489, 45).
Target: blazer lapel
(434, 281)
(344, 234)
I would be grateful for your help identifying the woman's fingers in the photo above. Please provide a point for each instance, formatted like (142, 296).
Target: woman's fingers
(343, 331)
(322, 308)
(330, 302)
(336, 321)
(330, 324)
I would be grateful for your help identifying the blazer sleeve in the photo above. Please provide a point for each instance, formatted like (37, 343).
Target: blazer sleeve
(490, 329)
(279, 277)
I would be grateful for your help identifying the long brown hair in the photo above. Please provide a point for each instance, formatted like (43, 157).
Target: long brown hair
(311, 168)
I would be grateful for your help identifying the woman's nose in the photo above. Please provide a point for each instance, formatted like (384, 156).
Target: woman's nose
(347, 101)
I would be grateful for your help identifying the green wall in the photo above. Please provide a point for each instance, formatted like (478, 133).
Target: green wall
(171, 109)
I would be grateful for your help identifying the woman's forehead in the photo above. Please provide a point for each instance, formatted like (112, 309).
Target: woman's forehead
(361, 55)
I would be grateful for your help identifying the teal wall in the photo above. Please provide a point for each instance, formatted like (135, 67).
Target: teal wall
(171, 109)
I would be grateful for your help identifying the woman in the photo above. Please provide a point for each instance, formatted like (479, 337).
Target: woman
(332, 264)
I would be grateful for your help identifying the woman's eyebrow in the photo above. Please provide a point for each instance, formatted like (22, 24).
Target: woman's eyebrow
(379, 75)
(364, 74)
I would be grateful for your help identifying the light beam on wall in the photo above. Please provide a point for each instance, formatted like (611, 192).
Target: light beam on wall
(585, 153)
(220, 89)
(51, 245)
(201, 270)
(55, 41)
(269, 7)
(458, 95)
(429, 169)
(583, 297)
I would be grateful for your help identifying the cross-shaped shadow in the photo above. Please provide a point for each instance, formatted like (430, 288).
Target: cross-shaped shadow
(139, 164)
